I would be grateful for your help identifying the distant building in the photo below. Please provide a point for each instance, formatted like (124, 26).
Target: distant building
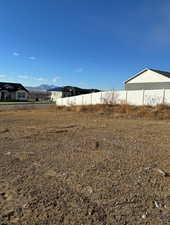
(13, 92)
(68, 91)
(39, 95)
(149, 79)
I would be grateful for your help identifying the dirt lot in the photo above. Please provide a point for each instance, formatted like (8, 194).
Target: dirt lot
(83, 168)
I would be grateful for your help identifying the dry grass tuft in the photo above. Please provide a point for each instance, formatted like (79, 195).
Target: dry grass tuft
(161, 111)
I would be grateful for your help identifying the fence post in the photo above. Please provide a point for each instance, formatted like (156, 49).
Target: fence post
(101, 98)
(163, 96)
(113, 98)
(91, 98)
(126, 96)
(143, 97)
(82, 98)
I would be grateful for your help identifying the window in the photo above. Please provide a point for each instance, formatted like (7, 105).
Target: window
(21, 95)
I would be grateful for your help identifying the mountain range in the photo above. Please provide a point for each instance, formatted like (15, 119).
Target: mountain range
(42, 87)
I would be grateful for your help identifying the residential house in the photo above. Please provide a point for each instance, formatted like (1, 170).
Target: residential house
(39, 95)
(149, 79)
(13, 92)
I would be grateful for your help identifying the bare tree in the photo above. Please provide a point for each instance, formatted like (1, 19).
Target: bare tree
(110, 97)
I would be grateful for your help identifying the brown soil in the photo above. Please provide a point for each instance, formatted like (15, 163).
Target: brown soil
(83, 168)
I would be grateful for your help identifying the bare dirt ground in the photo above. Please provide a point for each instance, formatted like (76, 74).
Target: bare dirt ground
(83, 168)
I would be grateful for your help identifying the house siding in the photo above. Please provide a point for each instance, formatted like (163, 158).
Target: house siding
(13, 96)
(147, 86)
(8, 96)
(18, 98)
(56, 94)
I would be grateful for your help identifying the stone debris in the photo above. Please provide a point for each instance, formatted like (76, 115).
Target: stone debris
(144, 215)
(162, 172)
(4, 131)
(7, 153)
(157, 204)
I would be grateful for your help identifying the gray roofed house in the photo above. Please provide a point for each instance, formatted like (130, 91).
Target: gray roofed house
(13, 92)
(149, 79)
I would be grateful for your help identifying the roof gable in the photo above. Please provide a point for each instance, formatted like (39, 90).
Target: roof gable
(136, 75)
(164, 73)
(159, 76)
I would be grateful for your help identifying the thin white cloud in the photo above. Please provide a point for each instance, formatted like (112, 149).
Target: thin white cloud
(2, 75)
(40, 79)
(16, 54)
(30, 77)
(79, 70)
(32, 58)
(23, 76)
(55, 79)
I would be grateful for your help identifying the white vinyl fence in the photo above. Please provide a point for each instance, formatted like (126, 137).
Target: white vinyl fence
(139, 97)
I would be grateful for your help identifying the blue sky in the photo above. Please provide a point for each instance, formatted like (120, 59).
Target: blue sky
(87, 43)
